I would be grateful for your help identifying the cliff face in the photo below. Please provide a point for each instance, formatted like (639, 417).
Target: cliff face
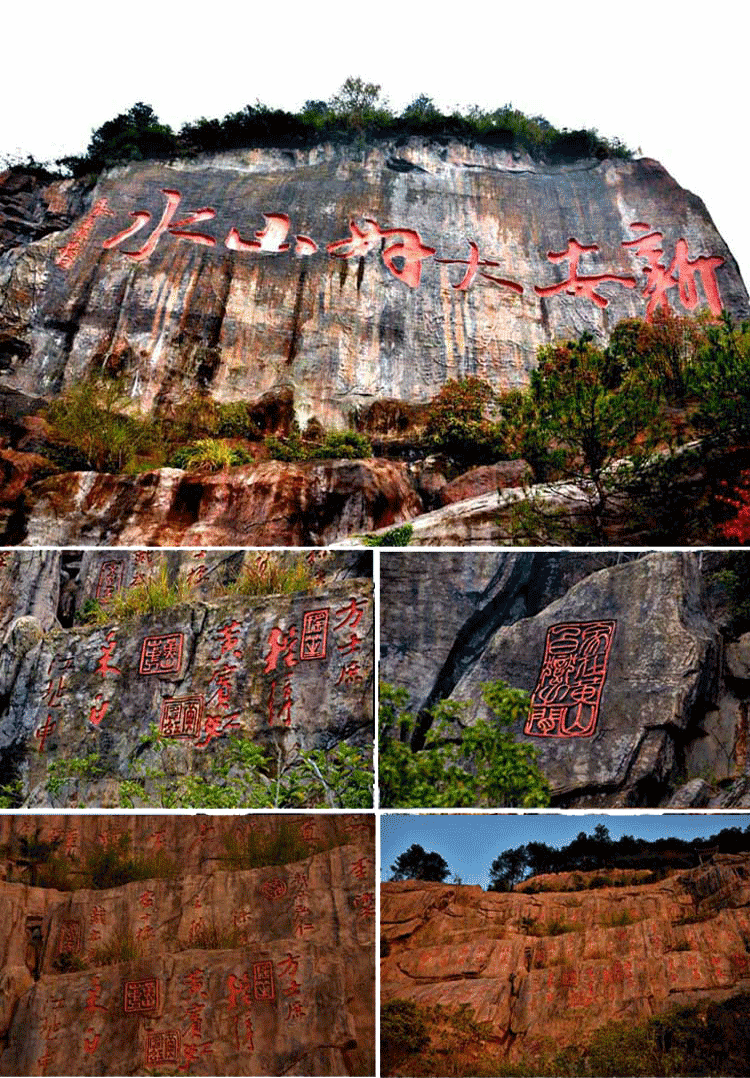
(624, 664)
(348, 275)
(213, 969)
(546, 970)
(290, 673)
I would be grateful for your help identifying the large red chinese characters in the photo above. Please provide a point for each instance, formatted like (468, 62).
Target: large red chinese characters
(565, 702)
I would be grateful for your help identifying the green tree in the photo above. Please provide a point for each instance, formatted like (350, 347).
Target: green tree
(480, 763)
(417, 864)
(357, 102)
(508, 869)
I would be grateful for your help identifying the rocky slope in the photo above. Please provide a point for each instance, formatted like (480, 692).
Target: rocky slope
(204, 968)
(635, 664)
(548, 969)
(334, 285)
(164, 696)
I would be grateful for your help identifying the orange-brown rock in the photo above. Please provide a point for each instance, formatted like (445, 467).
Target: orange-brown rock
(205, 966)
(267, 504)
(546, 970)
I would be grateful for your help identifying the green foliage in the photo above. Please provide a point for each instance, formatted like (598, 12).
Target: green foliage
(86, 768)
(400, 536)
(336, 445)
(283, 845)
(11, 794)
(114, 865)
(276, 576)
(620, 920)
(355, 112)
(120, 948)
(209, 455)
(485, 767)
(243, 774)
(89, 420)
(417, 864)
(155, 595)
(458, 422)
(403, 1032)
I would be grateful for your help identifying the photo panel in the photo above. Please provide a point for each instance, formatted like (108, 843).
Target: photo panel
(189, 679)
(163, 944)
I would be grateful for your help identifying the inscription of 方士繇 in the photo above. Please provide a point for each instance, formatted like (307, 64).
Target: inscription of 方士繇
(565, 701)
(404, 254)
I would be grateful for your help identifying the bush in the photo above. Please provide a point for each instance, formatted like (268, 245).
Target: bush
(458, 422)
(336, 445)
(400, 536)
(487, 767)
(89, 419)
(403, 1032)
(209, 455)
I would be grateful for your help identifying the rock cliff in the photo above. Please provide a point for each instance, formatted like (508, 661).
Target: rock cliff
(132, 702)
(623, 657)
(334, 285)
(546, 970)
(204, 967)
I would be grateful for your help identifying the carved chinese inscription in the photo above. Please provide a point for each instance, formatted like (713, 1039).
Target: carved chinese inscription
(162, 1047)
(161, 655)
(314, 635)
(181, 717)
(565, 702)
(263, 987)
(140, 995)
(69, 939)
(110, 579)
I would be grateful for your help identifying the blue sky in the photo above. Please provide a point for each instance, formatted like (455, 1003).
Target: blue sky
(470, 842)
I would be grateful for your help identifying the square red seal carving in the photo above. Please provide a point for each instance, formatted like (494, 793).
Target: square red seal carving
(263, 987)
(314, 634)
(161, 654)
(182, 716)
(565, 702)
(140, 995)
(162, 1047)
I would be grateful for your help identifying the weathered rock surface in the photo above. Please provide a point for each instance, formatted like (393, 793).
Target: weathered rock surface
(181, 302)
(269, 504)
(292, 673)
(216, 969)
(659, 710)
(546, 970)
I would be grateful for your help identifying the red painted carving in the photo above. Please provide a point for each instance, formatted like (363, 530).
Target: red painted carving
(350, 615)
(161, 654)
(230, 638)
(577, 284)
(351, 645)
(217, 726)
(351, 674)
(145, 932)
(99, 709)
(314, 634)
(110, 579)
(97, 915)
(70, 252)
(472, 266)
(359, 867)
(140, 995)
(284, 711)
(281, 645)
(565, 702)
(365, 904)
(680, 273)
(181, 716)
(240, 991)
(295, 1010)
(91, 1043)
(223, 679)
(288, 966)
(178, 228)
(268, 239)
(146, 899)
(93, 994)
(69, 938)
(274, 889)
(162, 1047)
(108, 650)
(193, 981)
(305, 246)
(263, 986)
(55, 691)
(196, 574)
(44, 732)
(408, 249)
